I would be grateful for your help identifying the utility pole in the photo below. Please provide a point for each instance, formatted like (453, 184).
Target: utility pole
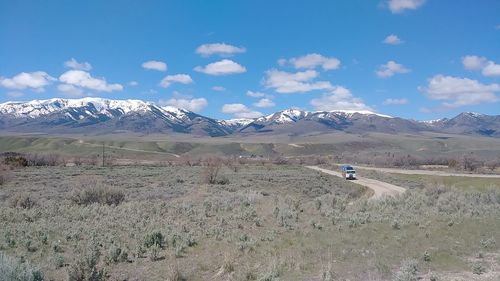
(103, 154)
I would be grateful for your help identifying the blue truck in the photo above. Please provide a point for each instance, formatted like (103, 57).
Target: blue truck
(348, 172)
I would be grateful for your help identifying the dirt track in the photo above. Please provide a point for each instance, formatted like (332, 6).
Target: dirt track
(427, 172)
(379, 188)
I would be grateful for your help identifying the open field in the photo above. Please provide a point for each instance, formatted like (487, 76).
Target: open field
(407, 180)
(256, 222)
(429, 173)
(365, 147)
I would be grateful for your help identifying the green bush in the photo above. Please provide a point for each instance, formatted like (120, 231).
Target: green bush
(116, 255)
(12, 269)
(154, 238)
(86, 267)
(427, 256)
(478, 268)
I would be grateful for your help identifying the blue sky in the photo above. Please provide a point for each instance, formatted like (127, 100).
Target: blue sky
(443, 56)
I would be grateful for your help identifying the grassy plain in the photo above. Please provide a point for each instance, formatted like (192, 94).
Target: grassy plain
(422, 181)
(261, 222)
(365, 146)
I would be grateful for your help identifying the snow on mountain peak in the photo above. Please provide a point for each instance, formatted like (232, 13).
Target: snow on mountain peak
(237, 121)
(37, 108)
(473, 114)
(293, 115)
(364, 112)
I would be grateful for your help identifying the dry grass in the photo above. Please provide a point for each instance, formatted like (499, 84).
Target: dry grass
(268, 222)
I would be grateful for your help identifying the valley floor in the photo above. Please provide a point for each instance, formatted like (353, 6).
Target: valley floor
(256, 222)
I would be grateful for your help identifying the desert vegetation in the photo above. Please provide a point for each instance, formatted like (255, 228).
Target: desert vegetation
(239, 219)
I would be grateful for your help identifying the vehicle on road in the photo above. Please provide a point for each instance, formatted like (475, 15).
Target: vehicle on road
(348, 172)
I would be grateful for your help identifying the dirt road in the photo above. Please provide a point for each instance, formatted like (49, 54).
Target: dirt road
(427, 172)
(379, 188)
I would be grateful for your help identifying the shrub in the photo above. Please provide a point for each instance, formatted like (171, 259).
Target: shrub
(427, 256)
(328, 274)
(470, 163)
(211, 170)
(56, 247)
(273, 273)
(116, 254)
(99, 194)
(478, 268)
(179, 250)
(222, 181)
(14, 269)
(154, 252)
(407, 271)
(16, 161)
(395, 224)
(86, 267)
(154, 238)
(59, 261)
(226, 267)
(174, 274)
(43, 160)
(488, 243)
(23, 201)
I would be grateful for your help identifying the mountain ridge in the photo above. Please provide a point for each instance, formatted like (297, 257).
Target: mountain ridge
(99, 115)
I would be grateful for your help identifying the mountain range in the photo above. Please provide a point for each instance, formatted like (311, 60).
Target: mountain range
(102, 116)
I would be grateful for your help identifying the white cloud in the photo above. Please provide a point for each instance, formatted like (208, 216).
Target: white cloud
(218, 88)
(395, 101)
(299, 82)
(35, 80)
(390, 69)
(255, 94)
(264, 103)
(488, 68)
(339, 98)
(155, 65)
(15, 94)
(133, 83)
(74, 64)
(311, 61)
(83, 79)
(491, 69)
(456, 91)
(398, 6)
(195, 105)
(392, 40)
(223, 67)
(70, 90)
(473, 62)
(282, 62)
(177, 78)
(240, 111)
(220, 49)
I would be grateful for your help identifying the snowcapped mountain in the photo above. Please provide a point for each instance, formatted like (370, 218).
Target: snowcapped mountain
(97, 115)
(91, 106)
(103, 116)
(299, 121)
(235, 124)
